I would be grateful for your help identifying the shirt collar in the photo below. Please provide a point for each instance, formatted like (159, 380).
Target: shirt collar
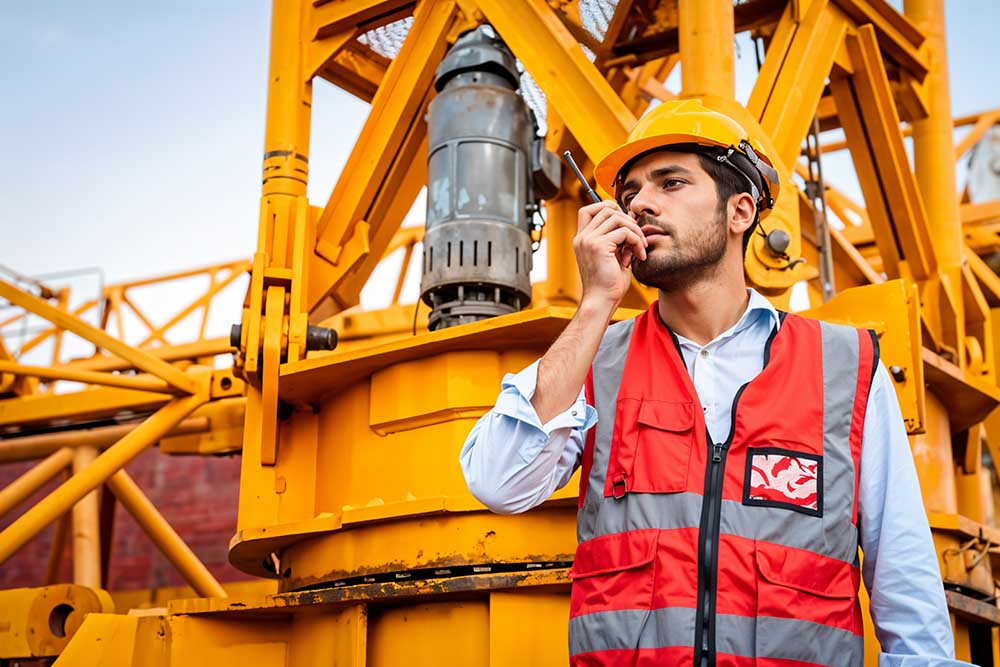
(757, 308)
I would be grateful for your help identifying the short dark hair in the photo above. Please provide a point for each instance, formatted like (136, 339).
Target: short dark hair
(727, 183)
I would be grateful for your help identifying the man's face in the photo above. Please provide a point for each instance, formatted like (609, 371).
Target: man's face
(675, 202)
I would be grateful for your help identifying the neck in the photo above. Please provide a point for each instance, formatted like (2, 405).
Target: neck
(704, 309)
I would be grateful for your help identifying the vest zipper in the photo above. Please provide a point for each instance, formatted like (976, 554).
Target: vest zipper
(708, 539)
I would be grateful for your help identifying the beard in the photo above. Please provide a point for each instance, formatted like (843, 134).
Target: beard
(692, 259)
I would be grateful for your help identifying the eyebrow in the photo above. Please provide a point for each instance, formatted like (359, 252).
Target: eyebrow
(657, 174)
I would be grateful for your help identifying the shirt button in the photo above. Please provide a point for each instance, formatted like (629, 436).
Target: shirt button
(573, 413)
(704, 353)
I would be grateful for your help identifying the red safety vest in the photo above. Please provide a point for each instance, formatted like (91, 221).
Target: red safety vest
(741, 553)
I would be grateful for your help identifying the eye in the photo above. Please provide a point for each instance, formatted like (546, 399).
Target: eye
(672, 182)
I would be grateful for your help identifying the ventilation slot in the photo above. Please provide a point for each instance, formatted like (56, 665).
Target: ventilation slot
(489, 253)
(475, 253)
(461, 252)
(449, 254)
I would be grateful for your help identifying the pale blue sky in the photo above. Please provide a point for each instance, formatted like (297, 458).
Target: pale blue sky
(133, 131)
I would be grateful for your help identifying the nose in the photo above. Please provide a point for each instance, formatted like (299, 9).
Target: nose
(644, 202)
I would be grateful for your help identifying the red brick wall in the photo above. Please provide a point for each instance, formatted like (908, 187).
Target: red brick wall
(198, 495)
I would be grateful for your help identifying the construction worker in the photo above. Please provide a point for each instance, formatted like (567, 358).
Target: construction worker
(734, 456)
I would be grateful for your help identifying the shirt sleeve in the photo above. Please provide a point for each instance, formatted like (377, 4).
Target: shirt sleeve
(511, 461)
(900, 567)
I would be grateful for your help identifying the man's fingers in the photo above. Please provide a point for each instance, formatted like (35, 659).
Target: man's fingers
(620, 220)
(623, 235)
(607, 220)
(587, 213)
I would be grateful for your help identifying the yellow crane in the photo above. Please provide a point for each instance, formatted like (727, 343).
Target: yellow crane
(351, 498)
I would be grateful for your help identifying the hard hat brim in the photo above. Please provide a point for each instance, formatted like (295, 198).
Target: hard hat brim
(606, 171)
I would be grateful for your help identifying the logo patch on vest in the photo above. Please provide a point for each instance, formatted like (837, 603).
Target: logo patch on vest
(784, 478)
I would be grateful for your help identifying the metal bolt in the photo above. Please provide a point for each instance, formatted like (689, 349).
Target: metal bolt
(778, 241)
(317, 338)
(898, 373)
(320, 338)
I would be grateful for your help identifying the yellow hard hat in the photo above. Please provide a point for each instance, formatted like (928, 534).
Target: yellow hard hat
(693, 124)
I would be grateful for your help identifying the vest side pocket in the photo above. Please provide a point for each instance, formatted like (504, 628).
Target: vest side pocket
(794, 585)
(613, 572)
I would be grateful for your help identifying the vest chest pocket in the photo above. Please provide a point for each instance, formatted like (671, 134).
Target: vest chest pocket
(652, 447)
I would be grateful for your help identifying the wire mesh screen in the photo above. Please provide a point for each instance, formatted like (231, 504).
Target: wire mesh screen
(387, 40)
(595, 15)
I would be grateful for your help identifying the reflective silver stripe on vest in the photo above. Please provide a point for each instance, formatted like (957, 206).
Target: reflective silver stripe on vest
(744, 636)
(631, 629)
(670, 511)
(608, 366)
(840, 381)
(788, 639)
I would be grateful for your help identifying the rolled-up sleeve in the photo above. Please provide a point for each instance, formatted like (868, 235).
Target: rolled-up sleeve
(900, 566)
(511, 461)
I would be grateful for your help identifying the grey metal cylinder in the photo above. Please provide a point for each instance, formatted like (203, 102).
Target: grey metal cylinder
(477, 244)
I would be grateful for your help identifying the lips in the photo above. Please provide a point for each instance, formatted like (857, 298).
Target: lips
(650, 231)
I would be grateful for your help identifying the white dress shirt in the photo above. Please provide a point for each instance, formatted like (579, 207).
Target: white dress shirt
(512, 463)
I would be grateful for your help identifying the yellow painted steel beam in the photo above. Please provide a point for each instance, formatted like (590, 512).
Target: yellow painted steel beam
(333, 17)
(164, 536)
(172, 376)
(210, 347)
(102, 401)
(89, 377)
(617, 22)
(787, 93)
(707, 47)
(933, 139)
(989, 281)
(357, 69)
(60, 535)
(322, 53)
(29, 447)
(237, 266)
(202, 301)
(21, 488)
(871, 124)
(155, 331)
(896, 34)
(55, 331)
(851, 269)
(116, 457)
(86, 527)
(409, 176)
(907, 130)
(981, 226)
(983, 124)
(585, 101)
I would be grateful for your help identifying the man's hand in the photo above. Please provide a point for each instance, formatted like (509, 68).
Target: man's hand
(606, 243)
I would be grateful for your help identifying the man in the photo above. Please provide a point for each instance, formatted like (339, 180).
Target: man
(741, 455)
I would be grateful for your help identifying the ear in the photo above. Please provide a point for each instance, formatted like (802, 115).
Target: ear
(742, 211)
